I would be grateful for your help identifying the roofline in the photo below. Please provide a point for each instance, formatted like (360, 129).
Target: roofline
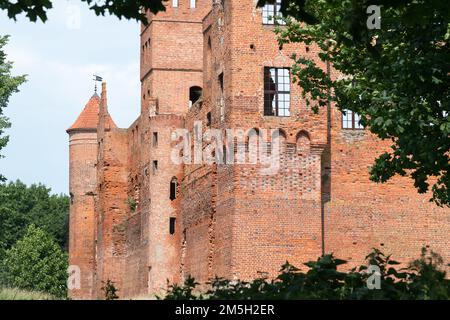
(77, 130)
(87, 130)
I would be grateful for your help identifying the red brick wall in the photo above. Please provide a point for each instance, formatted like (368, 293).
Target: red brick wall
(83, 155)
(172, 55)
(362, 215)
(276, 217)
(164, 248)
(231, 220)
(112, 209)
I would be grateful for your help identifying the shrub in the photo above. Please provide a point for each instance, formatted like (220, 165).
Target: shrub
(37, 263)
(422, 279)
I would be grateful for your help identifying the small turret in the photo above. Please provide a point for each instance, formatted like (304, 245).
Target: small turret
(104, 120)
(82, 186)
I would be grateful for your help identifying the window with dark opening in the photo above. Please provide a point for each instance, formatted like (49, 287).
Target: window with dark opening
(155, 139)
(208, 119)
(173, 188)
(351, 120)
(277, 92)
(155, 166)
(221, 101)
(195, 93)
(172, 225)
(272, 14)
(221, 82)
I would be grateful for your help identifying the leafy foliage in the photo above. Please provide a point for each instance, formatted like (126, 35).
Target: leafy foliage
(422, 279)
(396, 77)
(35, 10)
(36, 262)
(21, 206)
(8, 85)
(132, 204)
(110, 290)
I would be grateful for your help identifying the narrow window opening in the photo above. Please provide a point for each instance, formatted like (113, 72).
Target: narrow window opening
(155, 139)
(221, 82)
(192, 3)
(155, 166)
(173, 188)
(172, 225)
(208, 119)
(175, 3)
(195, 94)
(221, 99)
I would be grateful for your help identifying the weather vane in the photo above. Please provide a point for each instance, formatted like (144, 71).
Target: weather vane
(97, 79)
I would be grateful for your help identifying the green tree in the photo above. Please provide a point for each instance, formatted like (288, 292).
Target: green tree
(34, 10)
(36, 262)
(21, 206)
(8, 85)
(396, 77)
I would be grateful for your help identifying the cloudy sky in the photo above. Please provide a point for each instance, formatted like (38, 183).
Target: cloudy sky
(60, 58)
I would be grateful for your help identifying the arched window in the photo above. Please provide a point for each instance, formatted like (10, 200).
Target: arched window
(195, 93)
(173, 188)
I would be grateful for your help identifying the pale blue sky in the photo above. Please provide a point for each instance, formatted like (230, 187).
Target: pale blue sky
(60, 58)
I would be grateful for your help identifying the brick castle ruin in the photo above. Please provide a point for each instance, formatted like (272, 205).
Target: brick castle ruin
(138, 218)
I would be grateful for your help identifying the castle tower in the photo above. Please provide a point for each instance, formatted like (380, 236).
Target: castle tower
(82, 185)
(172, 81)
(172, 56)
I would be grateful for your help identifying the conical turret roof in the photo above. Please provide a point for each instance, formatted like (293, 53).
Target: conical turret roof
(88, 118)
